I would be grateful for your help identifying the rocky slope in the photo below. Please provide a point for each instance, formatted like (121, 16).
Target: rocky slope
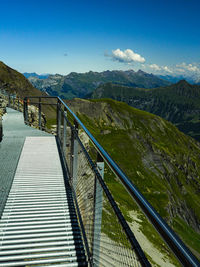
(14, 82)
(81, 84)
(178, 103)
(160, 160)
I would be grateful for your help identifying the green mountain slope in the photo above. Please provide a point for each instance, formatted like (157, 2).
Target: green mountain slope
(14, 82)
(160, 160)
(82, 84)
(178, 103)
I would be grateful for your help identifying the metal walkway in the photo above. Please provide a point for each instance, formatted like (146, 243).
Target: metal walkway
(15, 132)
(38, 224)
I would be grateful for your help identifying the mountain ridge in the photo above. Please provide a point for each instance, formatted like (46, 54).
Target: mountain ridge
(81, 84)
(34, 74)
(178, 103)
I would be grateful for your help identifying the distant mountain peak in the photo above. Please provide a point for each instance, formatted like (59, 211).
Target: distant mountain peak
(35, 75)
(183, 83)
(129, 71)
(184, 86)
(141, 72)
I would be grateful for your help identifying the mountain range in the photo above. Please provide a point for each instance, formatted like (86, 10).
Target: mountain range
(33, 74)
(81, 84)
(178, 103)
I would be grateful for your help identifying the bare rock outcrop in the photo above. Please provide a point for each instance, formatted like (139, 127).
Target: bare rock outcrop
(33, 117)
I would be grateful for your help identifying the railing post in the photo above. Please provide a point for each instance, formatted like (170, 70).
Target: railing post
(12, 102)
(9, 100)
(74, 155)
(98, 206)
(1, 130)
(58, 119)
(18, 104)
(39, 114)
(25, 110)
(64, 131)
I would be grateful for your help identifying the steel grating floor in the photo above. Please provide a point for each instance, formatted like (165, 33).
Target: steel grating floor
(38, 226)
(15, 132)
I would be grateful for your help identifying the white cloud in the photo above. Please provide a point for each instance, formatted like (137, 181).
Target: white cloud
(155, 67)
(167, 69)
(180, 70)
(160, 69)
(126, 56)
(187, 67)
(129, 57)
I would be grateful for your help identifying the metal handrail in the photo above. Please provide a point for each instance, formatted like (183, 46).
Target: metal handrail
(174, 242)
(181, 251)
(129, 234)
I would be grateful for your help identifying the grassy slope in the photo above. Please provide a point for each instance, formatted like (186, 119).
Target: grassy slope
(161, 161)
(178, 103)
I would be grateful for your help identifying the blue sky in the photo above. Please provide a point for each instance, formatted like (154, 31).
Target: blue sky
(159, 36)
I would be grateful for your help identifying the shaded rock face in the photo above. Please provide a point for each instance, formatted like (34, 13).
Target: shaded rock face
(181, 209)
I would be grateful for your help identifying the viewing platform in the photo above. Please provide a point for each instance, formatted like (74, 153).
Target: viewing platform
(56, 209)
(38, 223)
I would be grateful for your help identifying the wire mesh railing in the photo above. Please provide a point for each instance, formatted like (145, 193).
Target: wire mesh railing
(107, 236)
(11, 100)
(108, 241)
(8, 100)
